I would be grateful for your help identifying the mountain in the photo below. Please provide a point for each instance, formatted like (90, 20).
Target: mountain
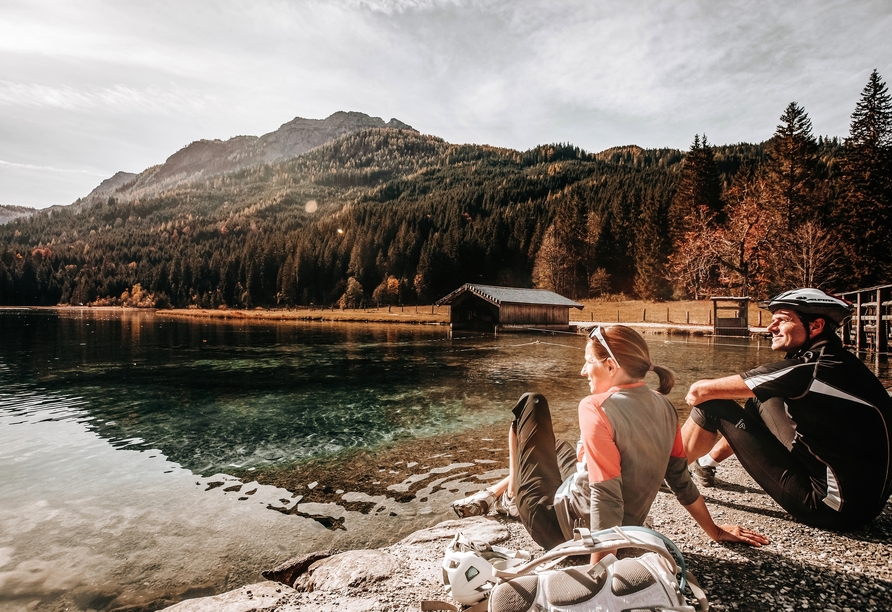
(206, 158)
(111, 185)
(381, 215)
(8, 213)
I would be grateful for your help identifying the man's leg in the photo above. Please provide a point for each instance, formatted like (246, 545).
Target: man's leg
(697, 440)
(767, 459)
(772, 412)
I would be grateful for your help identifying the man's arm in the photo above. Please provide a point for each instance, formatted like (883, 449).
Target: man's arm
(729, 387)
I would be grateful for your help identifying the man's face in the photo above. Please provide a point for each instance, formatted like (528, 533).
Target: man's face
(788, 333)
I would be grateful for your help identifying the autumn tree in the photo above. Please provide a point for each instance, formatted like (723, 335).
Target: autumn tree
(744, 245)
(693, 264)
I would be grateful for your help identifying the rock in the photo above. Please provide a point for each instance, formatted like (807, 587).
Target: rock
(349, 569)
(478, 528)
(260, 596)
(290, 570)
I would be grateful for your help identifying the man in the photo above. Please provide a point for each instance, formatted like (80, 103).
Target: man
(814, 431)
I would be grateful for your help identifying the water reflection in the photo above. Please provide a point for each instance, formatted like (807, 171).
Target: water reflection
(113, 426)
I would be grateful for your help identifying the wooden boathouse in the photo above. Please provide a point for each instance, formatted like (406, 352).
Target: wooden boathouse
(870, 329)
(490, 308)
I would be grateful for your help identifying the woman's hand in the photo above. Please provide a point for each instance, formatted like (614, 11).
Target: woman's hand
(736, 533)
(723, 533)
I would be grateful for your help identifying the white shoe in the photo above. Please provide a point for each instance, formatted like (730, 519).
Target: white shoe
(478, 504)
(506, 505)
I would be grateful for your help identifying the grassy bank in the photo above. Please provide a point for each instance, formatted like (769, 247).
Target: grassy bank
(427, 314)
(688, 312)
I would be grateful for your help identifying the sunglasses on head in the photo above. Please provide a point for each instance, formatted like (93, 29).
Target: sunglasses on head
(597, 335)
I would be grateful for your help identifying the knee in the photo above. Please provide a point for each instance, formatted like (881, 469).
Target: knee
(703, 417)
(529, 402)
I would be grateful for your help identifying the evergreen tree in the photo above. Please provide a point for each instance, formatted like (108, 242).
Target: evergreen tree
(652, 247)
(791, 167)
(866, 213)
(699, 186)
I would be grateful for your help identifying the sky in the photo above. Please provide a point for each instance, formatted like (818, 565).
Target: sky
(92, 87)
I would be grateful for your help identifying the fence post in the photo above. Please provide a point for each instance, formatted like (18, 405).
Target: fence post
(617, 315)
(687, 317)
(667, 314)
(644, 315)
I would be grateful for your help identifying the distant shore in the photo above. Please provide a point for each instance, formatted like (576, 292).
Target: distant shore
(682, 315)
(416, 315)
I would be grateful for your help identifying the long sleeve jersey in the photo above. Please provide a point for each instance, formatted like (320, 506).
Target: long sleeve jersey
(631, 442)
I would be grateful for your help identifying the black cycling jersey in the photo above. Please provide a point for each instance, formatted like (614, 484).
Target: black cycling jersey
(842, 417)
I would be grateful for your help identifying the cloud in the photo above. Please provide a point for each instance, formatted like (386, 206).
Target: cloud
(116, 98)
(32, 167)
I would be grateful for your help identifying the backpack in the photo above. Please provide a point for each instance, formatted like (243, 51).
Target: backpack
(655, 579)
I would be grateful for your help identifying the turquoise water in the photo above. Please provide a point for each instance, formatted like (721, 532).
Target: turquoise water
(112, 426)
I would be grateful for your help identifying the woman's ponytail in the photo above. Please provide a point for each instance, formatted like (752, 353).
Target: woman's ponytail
(667, 379)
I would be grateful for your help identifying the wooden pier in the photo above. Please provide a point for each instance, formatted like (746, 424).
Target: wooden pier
(871, 326)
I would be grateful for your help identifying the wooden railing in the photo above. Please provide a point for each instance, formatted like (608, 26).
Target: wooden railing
(871, 326)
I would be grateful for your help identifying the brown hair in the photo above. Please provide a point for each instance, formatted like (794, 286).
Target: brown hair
(630, 349)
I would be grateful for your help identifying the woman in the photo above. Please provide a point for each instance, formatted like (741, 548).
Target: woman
(630, 444)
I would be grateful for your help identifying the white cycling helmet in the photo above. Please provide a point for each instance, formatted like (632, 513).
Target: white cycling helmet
(469, 568)
(468, 577)
(813, 302)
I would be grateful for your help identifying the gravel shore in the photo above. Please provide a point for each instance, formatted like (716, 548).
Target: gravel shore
(801, 569)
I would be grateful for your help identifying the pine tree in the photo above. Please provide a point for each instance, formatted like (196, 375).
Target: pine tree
(699, 186)
(792, 166)
(866, 212)
(652, 253)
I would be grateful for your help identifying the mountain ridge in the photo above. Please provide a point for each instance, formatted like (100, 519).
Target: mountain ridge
(206, 158)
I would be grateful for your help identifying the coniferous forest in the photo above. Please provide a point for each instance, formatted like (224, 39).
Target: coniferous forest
(390, 216)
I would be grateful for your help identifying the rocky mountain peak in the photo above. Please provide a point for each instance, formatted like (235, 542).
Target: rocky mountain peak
(205, 158)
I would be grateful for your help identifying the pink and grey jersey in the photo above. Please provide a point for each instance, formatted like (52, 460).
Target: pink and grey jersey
(631, 442)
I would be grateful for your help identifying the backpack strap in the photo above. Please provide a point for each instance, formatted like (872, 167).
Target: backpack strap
(697, 591)
(431, 605)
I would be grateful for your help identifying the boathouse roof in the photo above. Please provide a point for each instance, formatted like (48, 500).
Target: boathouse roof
(511, 295)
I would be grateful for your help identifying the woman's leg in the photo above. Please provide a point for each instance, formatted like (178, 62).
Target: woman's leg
(536, 473)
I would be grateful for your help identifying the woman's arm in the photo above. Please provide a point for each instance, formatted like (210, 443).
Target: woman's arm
(723, 533)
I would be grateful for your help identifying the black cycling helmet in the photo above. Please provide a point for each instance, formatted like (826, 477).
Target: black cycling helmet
(813, 302)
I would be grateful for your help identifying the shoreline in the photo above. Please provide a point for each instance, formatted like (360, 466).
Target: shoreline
(801, 569)
(406, 315)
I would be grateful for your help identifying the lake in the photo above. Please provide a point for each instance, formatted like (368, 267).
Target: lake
(119, 432)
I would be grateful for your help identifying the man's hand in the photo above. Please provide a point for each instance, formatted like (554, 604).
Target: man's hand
(729, 387)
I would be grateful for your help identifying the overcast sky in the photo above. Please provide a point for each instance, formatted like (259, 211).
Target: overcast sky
(91, 87)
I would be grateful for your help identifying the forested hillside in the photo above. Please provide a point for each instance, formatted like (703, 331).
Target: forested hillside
(390, 216)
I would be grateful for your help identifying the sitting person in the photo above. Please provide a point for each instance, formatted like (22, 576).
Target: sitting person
(815, 429)
(630, 443)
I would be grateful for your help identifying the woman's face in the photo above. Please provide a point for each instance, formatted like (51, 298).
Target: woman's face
(598, 372)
